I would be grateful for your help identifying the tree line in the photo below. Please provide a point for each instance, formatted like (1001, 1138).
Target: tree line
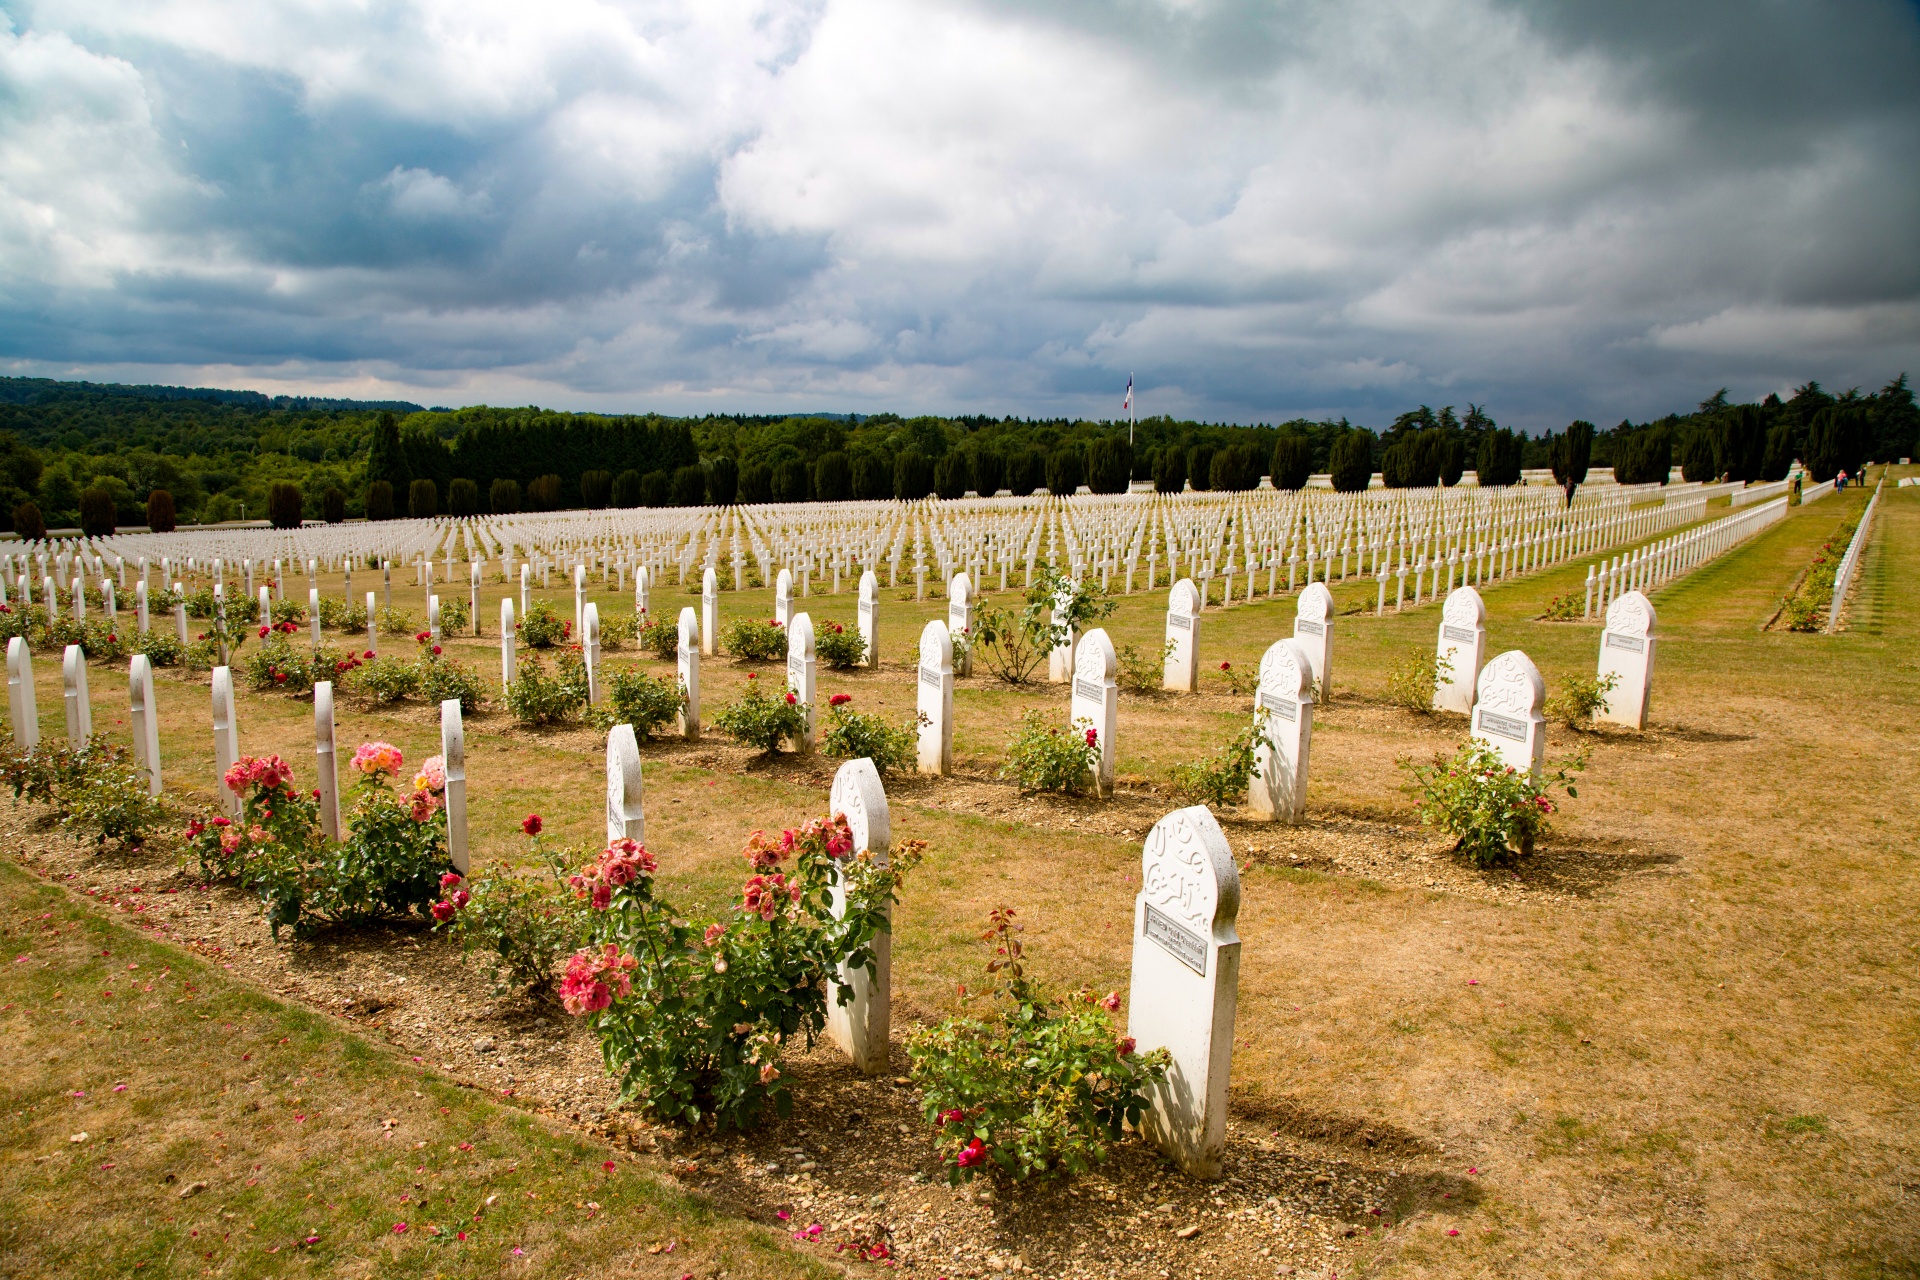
(220, 455)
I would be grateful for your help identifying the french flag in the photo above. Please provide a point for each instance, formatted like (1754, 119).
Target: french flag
(1128, 402)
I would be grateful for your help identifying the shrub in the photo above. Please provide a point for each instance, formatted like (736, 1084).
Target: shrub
(396, 622)
(276, 664)
(28, 522)
(160, 513)
(97, 787)
(761, 719)
(1040, 1086)
(384, 680)
(646, 702)
(423, 499)
(1807, 608)
(341, 615)
(1292, 462)
(390, 862)
(839, 646)
(693, 1020)
(1041, 756)
(101, 640)
(456, 615)
(333, 504)
(1140, 674)
(1580, 698)
(1495, 811)
(536, 698)
(283, 505)
(543, 492)
(656, 488)
(161, 645)
(288, 611)
(442, 678)
(662, 637)
(626, 489)
(1223, 779)
(525, 924)
(1014, 645)
(596, 487)
(380, 500)
(1411, 684)
(751, 640)
(851, 735)
(689, 487)
(1570, 607)
(542, 628)
(503, 497)
(97, 512)
(618, 628)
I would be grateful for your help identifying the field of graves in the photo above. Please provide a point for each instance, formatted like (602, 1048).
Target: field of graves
(1676, 1039)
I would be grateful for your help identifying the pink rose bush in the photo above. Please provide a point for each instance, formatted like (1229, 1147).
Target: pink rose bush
(693, 1016)
(388, 861)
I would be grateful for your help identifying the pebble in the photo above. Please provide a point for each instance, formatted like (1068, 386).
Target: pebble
(483, 1045)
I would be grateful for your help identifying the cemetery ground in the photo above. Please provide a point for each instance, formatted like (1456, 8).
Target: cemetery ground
(1678, 1041)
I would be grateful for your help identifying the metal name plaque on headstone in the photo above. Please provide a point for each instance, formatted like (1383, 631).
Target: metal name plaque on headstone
(1632, 644)
(1461, 634)
(1178, 941)
(866, 608)
(1506, 726)
(1309, 628)
(1285, 708)
(795, 669)
(1180, 620)
(1088, 689)
(930, 677)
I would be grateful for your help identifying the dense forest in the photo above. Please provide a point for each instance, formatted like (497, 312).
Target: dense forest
(218, 455)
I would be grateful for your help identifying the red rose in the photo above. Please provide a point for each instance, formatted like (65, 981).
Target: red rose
(791, 700)
(839, 699)
(531, 825)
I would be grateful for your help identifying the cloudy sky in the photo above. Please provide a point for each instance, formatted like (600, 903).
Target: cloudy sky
(1598, 208)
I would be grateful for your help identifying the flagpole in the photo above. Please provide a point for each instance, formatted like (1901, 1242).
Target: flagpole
(1132, 413)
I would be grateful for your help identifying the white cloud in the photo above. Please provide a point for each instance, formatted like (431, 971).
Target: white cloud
(960, 204)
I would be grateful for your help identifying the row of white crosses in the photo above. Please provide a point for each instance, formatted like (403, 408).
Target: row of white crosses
(1660, 563)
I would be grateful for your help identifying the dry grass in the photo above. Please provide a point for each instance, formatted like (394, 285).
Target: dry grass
(1681, 1042)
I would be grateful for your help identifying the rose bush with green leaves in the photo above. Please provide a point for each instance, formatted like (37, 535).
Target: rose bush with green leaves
(852, 735)
(1495, 812)
(763, 719)
(1041, 756)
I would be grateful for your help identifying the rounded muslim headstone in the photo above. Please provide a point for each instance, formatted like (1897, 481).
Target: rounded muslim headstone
(1506, 713)
(1461, 650)
(935, 699)
(1181, 671)
(1096, 701)
(1283, 725)
(862, 1025)
(1313, 628)
(1626, 654)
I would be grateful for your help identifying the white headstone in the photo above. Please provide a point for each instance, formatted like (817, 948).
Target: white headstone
(1313, 628)
(626, 812)
(590, 651)
(509, 667)
(1182, 669)
(1626, 653)
(800, 672)
(1096, 700)
(1186, 978)
(870, 619)
(642, 580)
(145, 718)
(579, 599)
(1506, 714)
(935, 699)
(1060, 659)
(689, 660)
(862, 1026)
(313, 614)
(433, 619)
(453, 758)
(326, 761)
(373, 641)
(1461, 650)
(226, 737)
(73, 684)
(1283, 723)
(21, 704)
(710, 613)
(783, 597)
(960, 619)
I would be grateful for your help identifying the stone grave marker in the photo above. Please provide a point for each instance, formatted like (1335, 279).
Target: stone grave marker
(1181, 672)
(1283, 728)
(642, 584)
(1096, 701)
(1186, 978)
(783, 597)
(935, 699)
(313, 613)
(590, 650)
(433, 619)
(579, 598)
(326, 760)
(709, 613)
(179, 616)
(1462, 648)
(142, 619)
(144, 715)
(800, 674)
(509, 667)
(861, 1026)
(373, 640)
(1626, 653)
(1313, 628)
(226, 737)
(1060, 658)
(73, 687)
(870, 619)
(1506, 713)
(689, 661)
(960, 620)
(453, 759)
(626, 812)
